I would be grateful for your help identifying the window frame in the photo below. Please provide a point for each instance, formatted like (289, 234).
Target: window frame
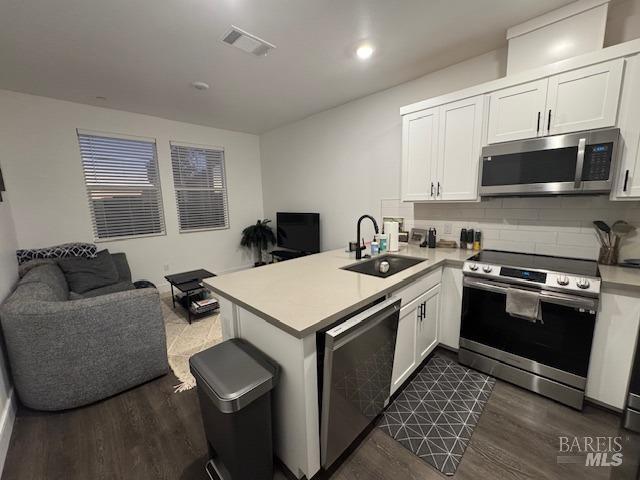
(225, 189)
(88, 189)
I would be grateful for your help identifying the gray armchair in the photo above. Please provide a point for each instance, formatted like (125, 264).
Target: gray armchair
(67, 353)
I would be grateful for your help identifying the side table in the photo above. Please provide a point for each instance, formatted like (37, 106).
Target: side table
(189, 283)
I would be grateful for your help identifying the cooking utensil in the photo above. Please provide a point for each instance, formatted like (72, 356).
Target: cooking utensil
(603, 227)
(602, 237)
(622, 229)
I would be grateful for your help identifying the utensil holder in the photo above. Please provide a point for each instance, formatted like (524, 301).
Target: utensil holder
(608, 254)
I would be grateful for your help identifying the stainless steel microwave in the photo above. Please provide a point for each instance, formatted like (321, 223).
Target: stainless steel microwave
(574, 163)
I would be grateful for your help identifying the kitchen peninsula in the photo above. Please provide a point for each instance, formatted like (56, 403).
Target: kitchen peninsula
(280, 307)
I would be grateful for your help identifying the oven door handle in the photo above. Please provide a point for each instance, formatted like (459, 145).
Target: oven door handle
(562, 299)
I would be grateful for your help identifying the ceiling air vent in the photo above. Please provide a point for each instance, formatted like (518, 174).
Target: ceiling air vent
(246, 42)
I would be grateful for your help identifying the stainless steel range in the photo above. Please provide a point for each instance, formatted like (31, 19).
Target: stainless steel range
(529, 320)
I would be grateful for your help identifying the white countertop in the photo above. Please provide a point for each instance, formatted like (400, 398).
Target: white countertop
(304, 295)
(621, 277)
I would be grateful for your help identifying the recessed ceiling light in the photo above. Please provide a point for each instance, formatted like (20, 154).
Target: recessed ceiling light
(200, 85)
(364, 52)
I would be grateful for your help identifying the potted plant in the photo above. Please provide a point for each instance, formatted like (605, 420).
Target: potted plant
(258, 236)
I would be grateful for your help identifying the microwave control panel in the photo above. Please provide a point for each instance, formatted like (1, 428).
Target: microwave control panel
(597, 162)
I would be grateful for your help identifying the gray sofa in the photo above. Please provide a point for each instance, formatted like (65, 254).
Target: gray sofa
(68, 353)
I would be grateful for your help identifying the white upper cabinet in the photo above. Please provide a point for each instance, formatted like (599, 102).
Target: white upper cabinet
(441, 152)
(442, 137)
(627, 181)
(419, 154)
(584, 99)
(459, 147)
(516, 112)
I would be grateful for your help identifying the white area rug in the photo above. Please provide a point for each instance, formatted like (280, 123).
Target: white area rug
(184, 340)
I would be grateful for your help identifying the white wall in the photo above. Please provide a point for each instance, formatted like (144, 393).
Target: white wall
(341, 162)
(8, 277)
(344, 161)
(623, 22)
(39, 149)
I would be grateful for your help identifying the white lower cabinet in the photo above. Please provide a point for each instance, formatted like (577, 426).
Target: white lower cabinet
(427, 327)
(417, 334)
(450, 307)
(405, 357)
(614, 342)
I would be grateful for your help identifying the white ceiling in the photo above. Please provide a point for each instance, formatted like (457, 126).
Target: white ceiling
(142, 55)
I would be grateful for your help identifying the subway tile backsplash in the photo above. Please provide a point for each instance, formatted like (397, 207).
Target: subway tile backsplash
(546, 225)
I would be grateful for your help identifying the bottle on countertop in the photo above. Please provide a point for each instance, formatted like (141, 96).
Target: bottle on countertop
(383, 242)
(477, 241)
(470, 238)
(463, 239)
(375, 248)
(432, 238)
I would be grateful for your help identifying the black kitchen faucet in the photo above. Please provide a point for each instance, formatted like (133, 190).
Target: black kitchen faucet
(375, 227)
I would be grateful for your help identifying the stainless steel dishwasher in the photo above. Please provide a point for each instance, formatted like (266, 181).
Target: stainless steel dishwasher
(355, 366)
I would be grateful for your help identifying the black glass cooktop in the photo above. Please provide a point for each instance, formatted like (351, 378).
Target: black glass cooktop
(571, 266)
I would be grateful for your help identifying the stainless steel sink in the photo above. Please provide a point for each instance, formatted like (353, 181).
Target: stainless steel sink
(377, 267)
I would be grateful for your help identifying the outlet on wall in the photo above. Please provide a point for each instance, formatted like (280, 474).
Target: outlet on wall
(166, 267)
(448, 229)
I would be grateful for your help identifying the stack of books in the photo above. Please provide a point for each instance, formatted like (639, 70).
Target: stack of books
(204, 305)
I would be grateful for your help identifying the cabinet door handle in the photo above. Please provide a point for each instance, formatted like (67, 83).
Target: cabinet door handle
(538, 127)
(424, 310)
(438, 194)
(432, 189)
(626, 180)
(549, 123)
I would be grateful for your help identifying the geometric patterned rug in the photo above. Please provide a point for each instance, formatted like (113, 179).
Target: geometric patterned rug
(434, 416)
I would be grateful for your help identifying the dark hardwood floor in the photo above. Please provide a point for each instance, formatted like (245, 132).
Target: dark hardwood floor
(151, 433)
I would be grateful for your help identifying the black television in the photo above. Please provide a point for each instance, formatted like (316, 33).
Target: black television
(298, 231)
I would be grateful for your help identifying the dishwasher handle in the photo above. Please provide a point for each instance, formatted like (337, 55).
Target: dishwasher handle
(345, 332)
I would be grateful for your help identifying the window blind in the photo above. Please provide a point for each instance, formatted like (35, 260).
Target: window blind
(201, 187)
(123, 186)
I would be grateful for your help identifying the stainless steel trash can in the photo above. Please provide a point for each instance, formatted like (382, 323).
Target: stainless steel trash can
(234, 381)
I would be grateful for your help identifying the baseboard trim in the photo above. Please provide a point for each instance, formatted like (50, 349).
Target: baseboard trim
(603, 406)
(6, 426)
(447, 347)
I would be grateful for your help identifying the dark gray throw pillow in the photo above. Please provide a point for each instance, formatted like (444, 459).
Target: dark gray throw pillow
(84, 274)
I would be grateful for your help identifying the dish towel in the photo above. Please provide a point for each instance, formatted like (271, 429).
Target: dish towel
(524, 304)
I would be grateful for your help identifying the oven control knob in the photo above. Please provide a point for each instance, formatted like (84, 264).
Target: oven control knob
(563, 280)
(473, 267)
(487, 269)
(583, 283)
